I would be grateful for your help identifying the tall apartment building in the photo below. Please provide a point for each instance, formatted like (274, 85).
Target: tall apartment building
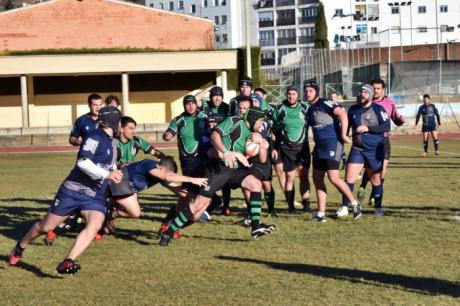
(228, 17)
(361, 23)
(284, 26)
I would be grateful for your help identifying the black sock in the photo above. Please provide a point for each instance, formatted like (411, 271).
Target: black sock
(184, 218)
(345, 201)
(171, 214)
(290, 195)
(377, 194)
(382, 180)
(226, 192)
(270, 199)
(425, 146)
(436, 144)
(255, 203)
(365, 180)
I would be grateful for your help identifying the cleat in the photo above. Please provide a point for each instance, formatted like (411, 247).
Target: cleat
(226, 211)
(437, 153)
(379, 212)
(306, 205)
(361, 194)
(260, 231)
(269, 228)
(424, 154)
(177, 234)
(297, 205)
(15, 255)
(317, 218)
(246, 222)
(205, 217)
(99, 237)
(357, 212)
(371, 202)
(68, 266)
(109, 227)
(50, 237)
(292, 211)
(165, 238)
(342, 212)
(163, 228)
(272, 214)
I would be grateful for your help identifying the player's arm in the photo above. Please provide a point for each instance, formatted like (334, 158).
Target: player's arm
(343, 117)
(263, 146)
(199, 96)
(170, 131)
(74, 138)
(438, 118)
(419, 113)
(147, 148)
(176, 178)
(384, 123)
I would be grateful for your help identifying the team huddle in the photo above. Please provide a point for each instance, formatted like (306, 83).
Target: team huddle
(223, 146)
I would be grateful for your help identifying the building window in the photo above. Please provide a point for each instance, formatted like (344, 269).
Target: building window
(422, 29)
(205, 3)
(216, 2)
(224, 38)
(224, 19)
(151, 4)
(216, 19)
(193, 8)
(181, 5)
(171, 6)
(217, 39)
(422, 9)
(361, 29)
(223, 2)
(443, 8)
(162, 6)
(444, 28)
(338, 12)
(395, 10)
(374, 30)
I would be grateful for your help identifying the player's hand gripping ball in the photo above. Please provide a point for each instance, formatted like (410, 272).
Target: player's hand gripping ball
(251, 149)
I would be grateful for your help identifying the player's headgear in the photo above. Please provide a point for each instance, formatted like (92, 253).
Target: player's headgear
(216, 91)
(293, 88)
(256, 97)
(252, 115)
(314, 86)
(370, 89)
(215, 118)
(188, 99)
(245, 81)
(109, 116)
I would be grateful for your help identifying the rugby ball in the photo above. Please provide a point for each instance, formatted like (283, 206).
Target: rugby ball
(251, 149)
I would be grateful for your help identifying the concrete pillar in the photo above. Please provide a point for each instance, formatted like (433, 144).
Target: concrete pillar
(125, 93)
(24, 102)
(224, 80)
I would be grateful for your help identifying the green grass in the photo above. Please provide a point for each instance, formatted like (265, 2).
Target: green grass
(410, 256)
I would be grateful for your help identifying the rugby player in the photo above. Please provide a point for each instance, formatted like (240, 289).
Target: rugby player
(369, 123)
(291, 134)
(82, 191)
(86, 123)
(229, 139)
(428, 112)
(329, 123)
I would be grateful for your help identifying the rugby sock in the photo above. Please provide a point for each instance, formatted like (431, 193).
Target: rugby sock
(345, 201)
(248, 207)
(436, 144)
(255, 203)
(425, 146)
(365, 180)
(377, 194)
(382, 180)
(270, 199)
(290, 195)
(226, 191)
(306, 203)
(170, 215)
(184, 218)
(320, 214)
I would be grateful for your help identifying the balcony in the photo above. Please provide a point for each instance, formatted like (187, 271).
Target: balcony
(303, 2)
(267, 62)
(307, 19)
(265, 23)
(306, 39)
(285, 2)
(264, 4)
(266, 42)
(286, 41)
(285, 22)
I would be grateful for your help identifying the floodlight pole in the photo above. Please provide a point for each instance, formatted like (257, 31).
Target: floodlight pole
(248, 40)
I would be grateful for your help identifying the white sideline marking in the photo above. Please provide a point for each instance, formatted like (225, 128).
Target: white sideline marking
(414, 149)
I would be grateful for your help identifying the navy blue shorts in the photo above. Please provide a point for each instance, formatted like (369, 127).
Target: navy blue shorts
(428, 128)
(372, 159)
(68, 202)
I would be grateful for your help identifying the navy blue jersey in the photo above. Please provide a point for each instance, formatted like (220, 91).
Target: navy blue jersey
(205, 144)
(83, 126)
(139, 174)
(326, 129)
(99, 148)
(428, 113)
(375, 118)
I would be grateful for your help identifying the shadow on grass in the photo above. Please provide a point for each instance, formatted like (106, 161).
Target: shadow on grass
(217, 239)
(38, 201)
(132, 235)
(423, 285)
(427, 209)
(31, 268)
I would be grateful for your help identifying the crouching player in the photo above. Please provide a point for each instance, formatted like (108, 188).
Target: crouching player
(81, 192)
(229, 139)
(369, 123)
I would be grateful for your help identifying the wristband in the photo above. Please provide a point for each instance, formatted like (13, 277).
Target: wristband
(225, 151)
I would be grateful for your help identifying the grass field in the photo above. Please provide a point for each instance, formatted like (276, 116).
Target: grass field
(410, 256)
